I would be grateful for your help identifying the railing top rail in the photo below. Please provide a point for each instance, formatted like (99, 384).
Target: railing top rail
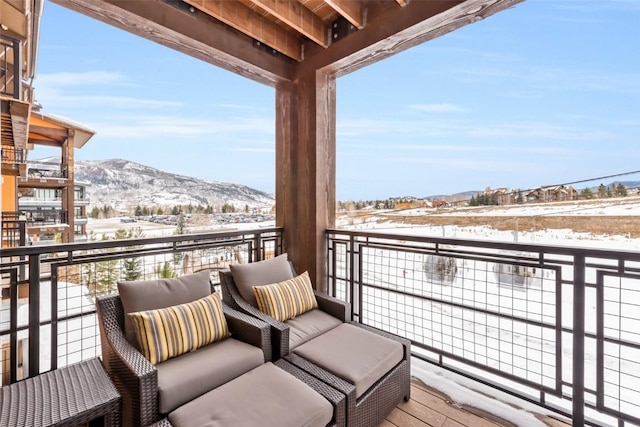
(103, 244)
(494, 244)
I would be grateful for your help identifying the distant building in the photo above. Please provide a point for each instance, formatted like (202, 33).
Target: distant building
(46, 195)
(46, 217)
(553, 193)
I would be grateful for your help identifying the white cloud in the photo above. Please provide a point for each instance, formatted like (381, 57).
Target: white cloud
(80, 79)
(413, 129)
(53, 98)
(162, 127)
(539, 130)
(439, 108)
(253, 150)
(479, 148)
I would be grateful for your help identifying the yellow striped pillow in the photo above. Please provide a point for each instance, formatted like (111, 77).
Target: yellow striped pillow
(169, 332)
(285, 300)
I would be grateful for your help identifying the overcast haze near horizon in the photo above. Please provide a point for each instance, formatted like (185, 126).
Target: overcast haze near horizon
(546, 92)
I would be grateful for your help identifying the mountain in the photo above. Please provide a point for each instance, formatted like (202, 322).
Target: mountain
(124, 184)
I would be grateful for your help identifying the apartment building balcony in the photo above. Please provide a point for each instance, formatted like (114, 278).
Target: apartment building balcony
(565, 339)
(85, 201)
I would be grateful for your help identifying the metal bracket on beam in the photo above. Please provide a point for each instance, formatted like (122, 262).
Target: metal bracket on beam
(340, 28)
(182, 7)
(263, 47)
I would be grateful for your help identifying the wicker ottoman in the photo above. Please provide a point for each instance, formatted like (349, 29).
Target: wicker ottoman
(268, 395)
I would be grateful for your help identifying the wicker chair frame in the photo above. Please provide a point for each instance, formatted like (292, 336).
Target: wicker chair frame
(135, 378)
(375, 404)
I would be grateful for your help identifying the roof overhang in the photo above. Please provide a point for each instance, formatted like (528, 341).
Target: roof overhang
(204, 31)
(48, 129)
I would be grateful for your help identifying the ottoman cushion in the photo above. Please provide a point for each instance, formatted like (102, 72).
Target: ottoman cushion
(353, 354)
(267, 396)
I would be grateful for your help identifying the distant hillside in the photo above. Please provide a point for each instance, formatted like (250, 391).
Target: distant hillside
(124, 184)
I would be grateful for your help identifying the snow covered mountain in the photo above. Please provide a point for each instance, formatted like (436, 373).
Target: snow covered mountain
(124, 184)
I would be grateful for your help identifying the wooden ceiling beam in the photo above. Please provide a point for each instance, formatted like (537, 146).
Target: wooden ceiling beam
(297, 17)
(243, 19)
(391, 29)
(198, 35)
(60, 135)
(352, 10)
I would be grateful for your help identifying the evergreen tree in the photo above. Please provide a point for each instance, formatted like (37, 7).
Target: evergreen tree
(164, 271)
(180, 225)
(602, 191)
(621, 190)
(95, 212)
(100, 276)
(131, 267)
(138, 211)
(228, 208)
(519, 198)
(586, 194)
(180, 229)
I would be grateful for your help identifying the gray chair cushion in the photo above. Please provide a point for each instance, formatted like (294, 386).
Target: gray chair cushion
(353, 354)
(143, 295)
(266, 397)
(309, 325)
(265, 272)
(190, 375)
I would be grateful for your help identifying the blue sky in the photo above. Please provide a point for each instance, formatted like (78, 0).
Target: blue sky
(544, 93)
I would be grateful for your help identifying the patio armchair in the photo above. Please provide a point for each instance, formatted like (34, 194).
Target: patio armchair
(314, 332)
(159, 383)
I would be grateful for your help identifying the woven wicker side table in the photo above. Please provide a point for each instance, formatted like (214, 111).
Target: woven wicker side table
(69, 396)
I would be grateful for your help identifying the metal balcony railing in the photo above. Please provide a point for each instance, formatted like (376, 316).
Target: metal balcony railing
(46, 217)
(10, 72)
(53, 171)
(34, 341)
(12, 155)
(13, 230)
(556, 326)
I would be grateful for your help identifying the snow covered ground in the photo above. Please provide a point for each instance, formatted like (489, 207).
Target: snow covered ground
(519, 349)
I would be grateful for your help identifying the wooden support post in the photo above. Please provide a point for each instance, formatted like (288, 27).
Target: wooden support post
(68, 192)
(305, 169)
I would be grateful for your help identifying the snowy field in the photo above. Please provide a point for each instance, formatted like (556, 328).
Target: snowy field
(452, 324)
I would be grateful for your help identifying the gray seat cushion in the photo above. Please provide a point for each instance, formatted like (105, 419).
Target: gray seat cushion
(141, 295)
(190, 375)
(309, 325)
(353, 354)
(266, 397)
(259, 273)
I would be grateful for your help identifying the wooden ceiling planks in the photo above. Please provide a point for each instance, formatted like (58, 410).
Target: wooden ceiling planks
(353, 11)
(253, 24)
(298, 17)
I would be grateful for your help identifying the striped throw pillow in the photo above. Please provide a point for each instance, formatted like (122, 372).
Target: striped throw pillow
(288, 299)
(169, 332)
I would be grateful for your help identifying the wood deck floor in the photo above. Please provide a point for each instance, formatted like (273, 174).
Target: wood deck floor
(428, 407)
